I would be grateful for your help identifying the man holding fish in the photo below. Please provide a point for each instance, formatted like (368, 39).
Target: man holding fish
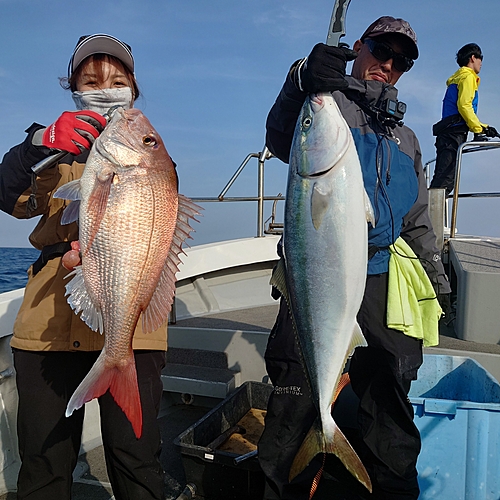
(348, 217)
(124, 257)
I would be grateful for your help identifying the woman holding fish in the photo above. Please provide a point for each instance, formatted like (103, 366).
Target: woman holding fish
(53, 348)
(343, 214)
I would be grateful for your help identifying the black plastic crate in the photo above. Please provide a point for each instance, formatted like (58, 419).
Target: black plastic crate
(215, 473)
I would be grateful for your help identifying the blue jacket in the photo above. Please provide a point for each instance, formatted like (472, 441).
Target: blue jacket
(462, 97)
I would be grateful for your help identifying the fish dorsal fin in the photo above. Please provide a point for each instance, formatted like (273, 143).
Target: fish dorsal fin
(80, 301)
(278, 279)
(280, 282)
(70, 191)
(161, 302)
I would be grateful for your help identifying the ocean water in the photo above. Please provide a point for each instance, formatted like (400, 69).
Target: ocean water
(14, 262)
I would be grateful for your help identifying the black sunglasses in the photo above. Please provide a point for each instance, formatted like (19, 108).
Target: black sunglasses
(383, 52)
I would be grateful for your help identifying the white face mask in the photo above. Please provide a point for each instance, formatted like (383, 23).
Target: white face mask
(101, 100)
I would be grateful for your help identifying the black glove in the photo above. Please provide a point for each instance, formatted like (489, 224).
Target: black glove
(445, 303)
(490, 132)
(480, 138)
(324, 69)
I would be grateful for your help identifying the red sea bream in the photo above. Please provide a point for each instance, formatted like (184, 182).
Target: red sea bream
(132, 225)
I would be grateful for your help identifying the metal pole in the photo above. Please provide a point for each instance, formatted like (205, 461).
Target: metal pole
(236, 174)
(427, 171)
(454, 206)
(260, 192)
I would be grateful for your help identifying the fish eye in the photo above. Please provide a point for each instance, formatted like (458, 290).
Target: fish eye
(307, 121)
(149, 140)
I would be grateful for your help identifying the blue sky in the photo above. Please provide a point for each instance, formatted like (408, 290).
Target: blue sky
(210, 70)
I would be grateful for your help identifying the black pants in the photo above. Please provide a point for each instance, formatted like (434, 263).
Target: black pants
(49, 442)
(447, 144)
(380, 374)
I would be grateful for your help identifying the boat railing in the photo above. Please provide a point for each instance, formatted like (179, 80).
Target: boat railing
(466, 147)
(273, 226)
(262, 157)
(277, 228)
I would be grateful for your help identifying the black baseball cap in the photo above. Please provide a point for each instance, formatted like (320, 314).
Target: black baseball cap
(387, 25)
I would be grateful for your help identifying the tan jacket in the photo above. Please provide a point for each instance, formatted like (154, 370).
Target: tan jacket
(45, 321)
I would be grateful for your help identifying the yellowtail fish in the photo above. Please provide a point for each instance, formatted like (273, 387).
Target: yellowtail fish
(325, 263)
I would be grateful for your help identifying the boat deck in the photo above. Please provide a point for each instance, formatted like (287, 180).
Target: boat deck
(91, 480)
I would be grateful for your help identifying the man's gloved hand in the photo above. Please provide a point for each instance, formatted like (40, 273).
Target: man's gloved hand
(74, 131)
(490, 132)
(480, 138)
(324, 69)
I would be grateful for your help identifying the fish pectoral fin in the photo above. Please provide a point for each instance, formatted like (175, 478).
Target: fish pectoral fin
(80, 301)
(161, 302)
(319, 204)
(370, 214)
(71, 213)
(69, 191)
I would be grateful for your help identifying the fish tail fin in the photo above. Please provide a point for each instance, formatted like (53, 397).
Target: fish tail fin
(316, 442)
(311, 446)
(122, 384)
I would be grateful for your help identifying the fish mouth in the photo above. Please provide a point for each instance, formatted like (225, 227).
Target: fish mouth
(316, 101)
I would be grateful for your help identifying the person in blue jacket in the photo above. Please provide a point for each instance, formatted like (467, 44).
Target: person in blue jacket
(459, 116)
(381, 373)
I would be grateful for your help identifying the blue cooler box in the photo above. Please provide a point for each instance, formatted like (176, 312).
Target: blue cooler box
(457, 411)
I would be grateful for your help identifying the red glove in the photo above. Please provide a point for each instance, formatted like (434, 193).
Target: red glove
(74, 131)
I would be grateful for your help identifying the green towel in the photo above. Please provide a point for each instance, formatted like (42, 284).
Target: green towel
(412, 305)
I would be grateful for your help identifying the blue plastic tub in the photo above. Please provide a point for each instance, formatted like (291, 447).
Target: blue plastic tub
(457, 411)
